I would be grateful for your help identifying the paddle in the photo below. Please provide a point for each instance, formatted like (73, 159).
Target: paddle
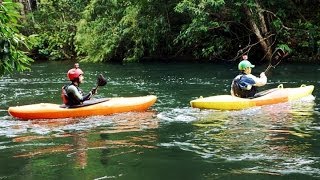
(101, 81)
(276, 58)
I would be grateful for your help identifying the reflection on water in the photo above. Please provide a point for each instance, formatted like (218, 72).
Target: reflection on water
(270, 139)
(75, 133)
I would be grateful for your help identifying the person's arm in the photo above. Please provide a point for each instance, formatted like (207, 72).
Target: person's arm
(87, 97)
(77, 94)
(259, 81)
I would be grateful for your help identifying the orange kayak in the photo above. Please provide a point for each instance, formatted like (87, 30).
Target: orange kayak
(272, 96)
(105, 107)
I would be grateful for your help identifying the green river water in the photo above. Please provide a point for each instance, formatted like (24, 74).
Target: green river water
(171, 141)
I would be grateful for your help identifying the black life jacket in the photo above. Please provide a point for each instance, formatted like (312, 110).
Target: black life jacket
(68, 98)
(239, 88)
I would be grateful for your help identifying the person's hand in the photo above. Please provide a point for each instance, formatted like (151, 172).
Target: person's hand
(93, 91)
(263, 74)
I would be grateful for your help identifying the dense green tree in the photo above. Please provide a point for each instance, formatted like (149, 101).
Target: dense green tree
(98, 30)
(54, 23)
(279, 23)
(12, 42)
(125, 30)
(299, 26)
(207, 32)
(241, 27)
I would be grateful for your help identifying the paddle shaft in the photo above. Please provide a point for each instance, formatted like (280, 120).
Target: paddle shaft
(268, 68)
(276, 58)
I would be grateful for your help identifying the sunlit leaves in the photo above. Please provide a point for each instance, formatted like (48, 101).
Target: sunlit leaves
(200, 34)
(12, 42)
(55, 24)
(285, 48)
(121, 30)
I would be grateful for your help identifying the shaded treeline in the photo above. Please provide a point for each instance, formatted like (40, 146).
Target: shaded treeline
(122, 30)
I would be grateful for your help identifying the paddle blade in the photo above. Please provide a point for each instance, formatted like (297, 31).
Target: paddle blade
(277, 56)
(101, 81)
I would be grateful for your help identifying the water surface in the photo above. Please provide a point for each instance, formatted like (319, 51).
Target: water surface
(169, 141)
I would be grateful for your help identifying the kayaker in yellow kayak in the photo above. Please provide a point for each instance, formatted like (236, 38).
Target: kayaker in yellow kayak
(245, 84)
(71, 93)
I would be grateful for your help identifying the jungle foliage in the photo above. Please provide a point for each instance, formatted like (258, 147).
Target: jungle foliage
(12, 42)
(122, 30)
(54, 23)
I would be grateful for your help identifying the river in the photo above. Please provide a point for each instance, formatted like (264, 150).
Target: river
(169, 141)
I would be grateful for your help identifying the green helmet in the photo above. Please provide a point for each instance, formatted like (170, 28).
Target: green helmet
(244, 64)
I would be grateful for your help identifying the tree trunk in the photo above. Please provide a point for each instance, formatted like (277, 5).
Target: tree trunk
(262, 33)
(23, 9)
(27, 7)
(262, 20)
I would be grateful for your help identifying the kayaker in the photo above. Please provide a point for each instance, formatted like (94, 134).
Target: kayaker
(71, 93)
(245, 84)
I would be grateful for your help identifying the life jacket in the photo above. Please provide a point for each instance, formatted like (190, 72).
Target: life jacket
(239, 88)
(64, 95)
(67, 98)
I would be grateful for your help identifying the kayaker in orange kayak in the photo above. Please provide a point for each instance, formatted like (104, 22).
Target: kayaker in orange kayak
(71, 93)
(245, 84)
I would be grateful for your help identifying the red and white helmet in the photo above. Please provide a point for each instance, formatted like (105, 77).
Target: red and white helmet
(75, 72)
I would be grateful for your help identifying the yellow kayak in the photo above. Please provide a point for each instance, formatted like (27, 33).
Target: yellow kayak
(102, 107)
(272, 96)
